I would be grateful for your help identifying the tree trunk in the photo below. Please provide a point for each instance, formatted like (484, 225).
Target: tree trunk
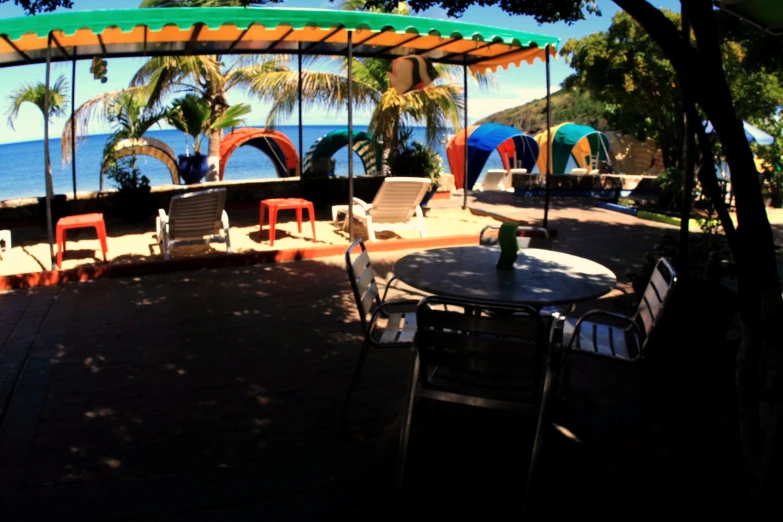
(213, 156)
(760, 361)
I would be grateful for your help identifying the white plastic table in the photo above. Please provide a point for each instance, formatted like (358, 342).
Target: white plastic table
(539, 277)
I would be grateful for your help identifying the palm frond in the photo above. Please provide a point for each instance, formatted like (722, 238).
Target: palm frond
(323, 89)
(95, 109)
(163, 74)
(35, 93)
(232, 117)
(243, 77)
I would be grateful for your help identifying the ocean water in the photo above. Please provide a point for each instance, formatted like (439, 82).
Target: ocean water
(22, 172)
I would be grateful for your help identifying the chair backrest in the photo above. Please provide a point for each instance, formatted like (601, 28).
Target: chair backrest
(196, 214)
(362, 276)
(498, 350)
(493, 179)
(655, 297)
(527, 237)
(397, 199)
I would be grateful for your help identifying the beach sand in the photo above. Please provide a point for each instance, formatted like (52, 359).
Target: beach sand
(133, 243)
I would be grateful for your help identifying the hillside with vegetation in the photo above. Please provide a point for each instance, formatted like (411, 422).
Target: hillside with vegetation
(567, 106)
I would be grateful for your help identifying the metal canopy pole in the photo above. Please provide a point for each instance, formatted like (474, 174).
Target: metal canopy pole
(688, 153)
(465, 128)
(73, 125)
(350, 136)
(299, 92)
(548, 141)
(47, 162)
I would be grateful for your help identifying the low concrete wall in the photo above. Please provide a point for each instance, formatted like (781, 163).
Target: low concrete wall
(603, 186)
(323, 192)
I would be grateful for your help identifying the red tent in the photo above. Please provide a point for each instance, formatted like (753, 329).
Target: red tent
(274, 144)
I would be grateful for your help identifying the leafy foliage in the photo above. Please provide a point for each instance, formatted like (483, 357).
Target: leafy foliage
(710, 259)
(568, 105)
(194, 116)
(542, 10)
(670, 181)
(773, 156)
(36, 94)
(126, 176)
(438, 106)
(626, 69)
(415, 160)
(32, 7)
(131, 118)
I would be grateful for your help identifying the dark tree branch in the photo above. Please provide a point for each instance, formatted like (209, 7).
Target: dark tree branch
(32, 7)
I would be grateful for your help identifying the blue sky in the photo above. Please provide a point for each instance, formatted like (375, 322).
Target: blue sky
(513, 87)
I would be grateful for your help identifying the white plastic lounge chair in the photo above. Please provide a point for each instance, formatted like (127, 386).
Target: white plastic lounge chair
(197, 217)
(578, 171)
(392, 209)
(493, 180)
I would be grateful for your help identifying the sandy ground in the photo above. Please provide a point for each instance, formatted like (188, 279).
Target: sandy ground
(130, 243)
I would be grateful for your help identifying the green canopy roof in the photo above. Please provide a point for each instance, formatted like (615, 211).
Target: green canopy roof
(230, 30)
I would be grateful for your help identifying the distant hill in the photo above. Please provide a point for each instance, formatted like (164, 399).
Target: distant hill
(572, 105)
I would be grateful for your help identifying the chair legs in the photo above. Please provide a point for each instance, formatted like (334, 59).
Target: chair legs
(538, 443)
(356, 372)
(405, 430)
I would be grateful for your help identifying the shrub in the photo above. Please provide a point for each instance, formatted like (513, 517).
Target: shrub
(415, 160)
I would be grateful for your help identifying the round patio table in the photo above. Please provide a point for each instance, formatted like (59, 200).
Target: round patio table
(539, 277)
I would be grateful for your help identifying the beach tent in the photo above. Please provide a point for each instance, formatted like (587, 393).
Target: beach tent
(325, 147)
(512, 144)
(569, 140)
(145, 147)
(752, 133)
(274, 144)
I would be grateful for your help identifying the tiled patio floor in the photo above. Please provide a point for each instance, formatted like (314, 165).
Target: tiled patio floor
(213, 395)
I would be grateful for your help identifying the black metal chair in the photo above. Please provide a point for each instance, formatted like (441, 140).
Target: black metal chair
(618, 336)
(387, 324)
(464, 355)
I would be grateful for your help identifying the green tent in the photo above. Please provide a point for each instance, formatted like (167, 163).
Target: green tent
(316, 159)
(581, 142)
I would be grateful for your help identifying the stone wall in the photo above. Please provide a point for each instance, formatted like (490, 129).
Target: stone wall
(604, 186)
(323, 192)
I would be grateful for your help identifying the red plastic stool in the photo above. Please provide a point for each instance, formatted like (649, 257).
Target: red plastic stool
(80, 221)
(285, 204)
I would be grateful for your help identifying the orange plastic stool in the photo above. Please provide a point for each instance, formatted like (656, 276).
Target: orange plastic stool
(285, 204)
(80, 221)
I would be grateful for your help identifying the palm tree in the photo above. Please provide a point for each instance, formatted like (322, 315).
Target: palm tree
(130, 117)
(438, 106)
(208, 77)
(58, 99)
(36, 94)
